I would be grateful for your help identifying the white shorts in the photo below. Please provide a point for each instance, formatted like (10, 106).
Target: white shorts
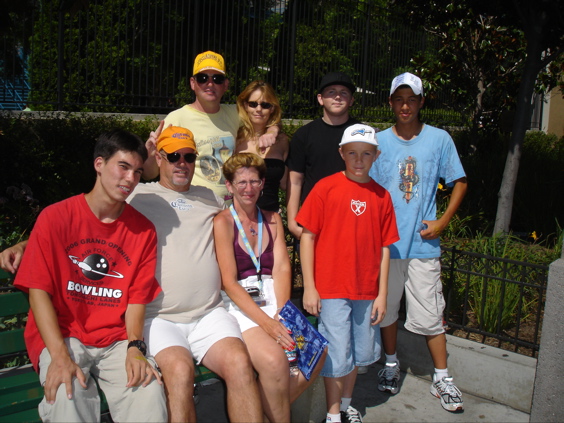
(266, 286)
(421, 280)
(197, 337)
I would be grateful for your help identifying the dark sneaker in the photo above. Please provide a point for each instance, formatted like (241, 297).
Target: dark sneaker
(450, 395)
(388, 378)
(351, 415)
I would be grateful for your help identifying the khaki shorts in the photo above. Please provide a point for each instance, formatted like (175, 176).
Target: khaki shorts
(421, 281)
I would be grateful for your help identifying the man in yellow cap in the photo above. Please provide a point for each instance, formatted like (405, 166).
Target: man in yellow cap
(214, 124)
(187, 320)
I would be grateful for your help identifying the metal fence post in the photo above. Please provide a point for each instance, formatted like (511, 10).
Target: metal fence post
(549, 390)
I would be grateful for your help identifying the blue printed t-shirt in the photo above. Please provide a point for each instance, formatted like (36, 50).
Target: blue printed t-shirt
(410, 171)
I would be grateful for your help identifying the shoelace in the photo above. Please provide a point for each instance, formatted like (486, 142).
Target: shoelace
(448, 387)
(388, 372)
(353, 415)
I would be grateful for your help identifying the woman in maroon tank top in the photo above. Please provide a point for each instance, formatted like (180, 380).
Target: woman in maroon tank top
(256, 280)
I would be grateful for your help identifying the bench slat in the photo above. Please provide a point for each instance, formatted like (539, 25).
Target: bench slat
(12, 341)
(25, 416)
(13, 303)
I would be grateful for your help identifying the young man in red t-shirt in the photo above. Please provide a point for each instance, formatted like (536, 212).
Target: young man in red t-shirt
(348, 222)
(89, 269)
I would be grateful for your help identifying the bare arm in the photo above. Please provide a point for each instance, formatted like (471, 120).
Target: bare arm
(436, 227)
(62, 368)
(11, 257)
(380, 303)
(311, 300)
(282, 270)
(293, 193)
(224, 237)
(139, 370)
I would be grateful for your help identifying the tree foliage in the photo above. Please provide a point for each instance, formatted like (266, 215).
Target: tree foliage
(495, 55)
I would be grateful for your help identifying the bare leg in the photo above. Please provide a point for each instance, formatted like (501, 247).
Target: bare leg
(390, 338)
(271, 364)
(299, 384)
(438, 350)
(337, 388)
(177, 367)
(230, 360)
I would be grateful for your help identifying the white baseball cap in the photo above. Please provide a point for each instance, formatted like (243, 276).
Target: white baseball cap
(359, 133)
(414, 82)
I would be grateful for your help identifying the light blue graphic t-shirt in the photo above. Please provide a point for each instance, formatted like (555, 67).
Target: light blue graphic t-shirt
(410, 171)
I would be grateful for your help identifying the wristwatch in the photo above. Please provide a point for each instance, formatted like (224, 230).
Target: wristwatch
(140, 345)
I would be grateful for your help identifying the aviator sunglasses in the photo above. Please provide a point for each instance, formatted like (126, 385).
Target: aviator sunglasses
(217, 78)
(174, 157)
(255, 104)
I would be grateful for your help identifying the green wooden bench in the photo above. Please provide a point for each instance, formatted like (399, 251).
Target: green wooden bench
(20, 391)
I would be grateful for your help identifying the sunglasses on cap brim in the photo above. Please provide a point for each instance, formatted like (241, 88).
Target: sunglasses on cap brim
(217, 78)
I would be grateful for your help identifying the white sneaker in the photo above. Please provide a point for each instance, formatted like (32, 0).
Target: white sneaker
(362, 370)
(351, 415)
(450, 395)
(389, 377)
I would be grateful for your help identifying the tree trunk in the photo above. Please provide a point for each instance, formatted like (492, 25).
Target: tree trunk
(533, 64)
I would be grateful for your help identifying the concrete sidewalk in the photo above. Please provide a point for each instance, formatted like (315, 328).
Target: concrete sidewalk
(413, 403)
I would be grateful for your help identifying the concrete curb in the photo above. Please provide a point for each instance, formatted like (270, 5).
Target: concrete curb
(481, 370)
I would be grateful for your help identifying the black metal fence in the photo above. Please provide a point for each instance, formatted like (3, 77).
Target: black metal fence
(494, 300)
(137, 55)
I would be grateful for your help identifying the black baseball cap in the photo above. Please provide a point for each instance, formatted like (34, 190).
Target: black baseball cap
(336, 78)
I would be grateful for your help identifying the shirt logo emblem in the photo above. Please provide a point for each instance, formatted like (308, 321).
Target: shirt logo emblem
(358, 207)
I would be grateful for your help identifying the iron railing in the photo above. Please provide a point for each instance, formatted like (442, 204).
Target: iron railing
(494, 300)
(137, 55)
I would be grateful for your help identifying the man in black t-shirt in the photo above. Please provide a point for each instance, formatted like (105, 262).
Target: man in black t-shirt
(314, 149)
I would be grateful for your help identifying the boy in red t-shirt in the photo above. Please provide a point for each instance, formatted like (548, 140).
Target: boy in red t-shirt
(348, 222)
(89, 269)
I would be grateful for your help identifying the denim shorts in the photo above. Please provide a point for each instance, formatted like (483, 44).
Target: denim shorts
(353, 341)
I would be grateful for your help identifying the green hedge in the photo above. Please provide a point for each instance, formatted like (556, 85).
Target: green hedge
(49, 157)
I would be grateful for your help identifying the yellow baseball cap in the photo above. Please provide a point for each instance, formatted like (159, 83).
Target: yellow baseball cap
(175, 138)
(209, 60)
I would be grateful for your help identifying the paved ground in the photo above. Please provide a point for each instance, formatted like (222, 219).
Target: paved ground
(413, 403)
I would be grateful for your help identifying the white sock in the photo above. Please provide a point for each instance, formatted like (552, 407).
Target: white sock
(345, 402)
(439, 374)
(393, 358)
(333, 417)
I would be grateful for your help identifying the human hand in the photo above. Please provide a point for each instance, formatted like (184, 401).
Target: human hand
(266, 140)
(280, 333)
(139, 370)
(151, 143)
(61, 370)
(11, 257)
(432, 229)
(312, 301)
(378, 310)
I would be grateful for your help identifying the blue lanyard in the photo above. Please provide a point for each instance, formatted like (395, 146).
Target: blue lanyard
(256, 260)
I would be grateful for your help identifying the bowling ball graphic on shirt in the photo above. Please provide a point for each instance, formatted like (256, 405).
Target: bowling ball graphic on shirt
(95, 267)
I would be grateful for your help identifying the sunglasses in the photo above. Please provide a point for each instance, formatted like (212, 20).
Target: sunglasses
(255, 104)
(174, 157)
(217, 78)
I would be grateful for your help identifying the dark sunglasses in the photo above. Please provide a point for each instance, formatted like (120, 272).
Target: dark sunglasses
(174, 157)
(217, 78)
(255, 104)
